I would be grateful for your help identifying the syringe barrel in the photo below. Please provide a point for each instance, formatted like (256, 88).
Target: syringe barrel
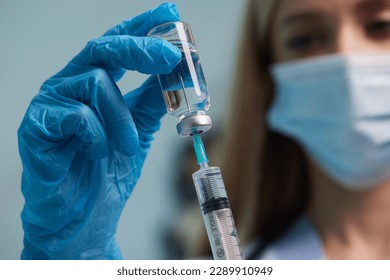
(218, 218)
(209, 185)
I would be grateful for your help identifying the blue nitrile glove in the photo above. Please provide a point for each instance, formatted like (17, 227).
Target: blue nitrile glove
(83, 144)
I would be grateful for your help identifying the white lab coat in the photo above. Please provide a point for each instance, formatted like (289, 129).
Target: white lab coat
(300, 242)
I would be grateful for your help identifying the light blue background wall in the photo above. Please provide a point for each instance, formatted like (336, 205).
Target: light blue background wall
(37, 38)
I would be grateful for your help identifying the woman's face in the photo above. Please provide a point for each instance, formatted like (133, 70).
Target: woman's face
(304, 28)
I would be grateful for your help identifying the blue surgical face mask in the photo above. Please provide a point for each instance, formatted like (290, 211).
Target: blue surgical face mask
(338, 108)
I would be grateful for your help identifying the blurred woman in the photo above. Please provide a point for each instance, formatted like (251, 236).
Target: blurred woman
(307, 154)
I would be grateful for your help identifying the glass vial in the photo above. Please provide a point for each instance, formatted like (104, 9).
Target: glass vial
(184, 89)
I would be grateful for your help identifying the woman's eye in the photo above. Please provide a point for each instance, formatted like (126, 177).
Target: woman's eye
(304, 42)
(380, 28)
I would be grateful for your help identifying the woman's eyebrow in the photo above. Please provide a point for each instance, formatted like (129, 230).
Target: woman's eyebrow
(301, 17)
(372, 5)
(368, 7)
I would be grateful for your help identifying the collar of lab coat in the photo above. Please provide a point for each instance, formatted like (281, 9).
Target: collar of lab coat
(300, 242)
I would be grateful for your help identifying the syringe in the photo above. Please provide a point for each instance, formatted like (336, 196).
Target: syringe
(187, 98)
(214, 203)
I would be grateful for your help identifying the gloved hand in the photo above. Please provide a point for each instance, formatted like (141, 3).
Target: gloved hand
(83, 144)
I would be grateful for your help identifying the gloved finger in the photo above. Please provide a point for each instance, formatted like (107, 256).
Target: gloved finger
(137, 26)
(147, 107)
(55, 128)
(95, 88)
(143, 54)
(142, 24)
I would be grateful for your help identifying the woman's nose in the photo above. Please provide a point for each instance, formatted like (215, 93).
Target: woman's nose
(350, 39)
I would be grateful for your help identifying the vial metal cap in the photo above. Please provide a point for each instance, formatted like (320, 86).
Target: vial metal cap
(193, 125)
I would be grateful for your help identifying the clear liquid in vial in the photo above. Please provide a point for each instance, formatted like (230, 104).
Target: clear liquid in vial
(184, 89)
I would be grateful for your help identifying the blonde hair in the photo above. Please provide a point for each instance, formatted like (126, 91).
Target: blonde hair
(265, 172)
